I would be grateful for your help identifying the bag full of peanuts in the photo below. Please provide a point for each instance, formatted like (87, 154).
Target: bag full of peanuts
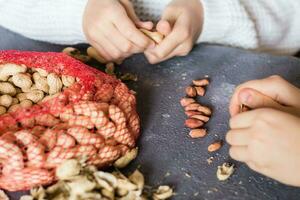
(54, 108)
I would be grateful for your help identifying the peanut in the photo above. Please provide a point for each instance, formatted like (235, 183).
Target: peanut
(200, 117)
(42, 72)
(40, 82)
(22, 80)
(75, 53)
(192, 107)
(26, 103)
(201, 82)
(6, 100)
(155, 36)
(186, 101)
(197, 133)
(200, 91)
(92, 52)
(35, 96)
(191, 113)
(7, 70)
(14, 101)
(191, 91)
(14, 108)
(205, 110)
(21, 96)
(214, 146)
(7, 88)
(2, 110)
(193, 123)
(55, 84)
(67, 80)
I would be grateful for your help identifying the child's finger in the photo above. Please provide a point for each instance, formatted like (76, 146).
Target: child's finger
(255, 99)
(239, 153)
(243, 120)
(119, 41)
(101, 51)
(274, 87)
(238, 137)
(129, 30)
(178, 35)
(109, 47)
(181, 50)
(164, 27)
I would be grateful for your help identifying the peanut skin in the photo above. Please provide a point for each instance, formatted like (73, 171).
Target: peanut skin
(201, 82)
(193, 123)
(186, 101)
(191, 91)
(214, 146)
(197, 133)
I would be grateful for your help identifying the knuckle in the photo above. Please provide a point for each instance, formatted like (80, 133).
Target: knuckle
(276, 79)
(126, 47)
(185, 33)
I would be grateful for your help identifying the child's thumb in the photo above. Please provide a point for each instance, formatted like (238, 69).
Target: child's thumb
(164, 27)
(254, 99)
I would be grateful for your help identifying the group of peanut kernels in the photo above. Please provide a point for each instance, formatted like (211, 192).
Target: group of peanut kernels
(21, 87)
(197, 114)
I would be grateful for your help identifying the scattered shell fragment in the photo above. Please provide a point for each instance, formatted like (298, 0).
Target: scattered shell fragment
(68, 169)
(83, 181)
(225, 171)
(163, 192)
(126, 159)
(129, 77)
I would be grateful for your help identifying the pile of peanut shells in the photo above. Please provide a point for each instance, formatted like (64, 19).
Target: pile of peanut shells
(197, 114)
(21, 87)
(78, 181)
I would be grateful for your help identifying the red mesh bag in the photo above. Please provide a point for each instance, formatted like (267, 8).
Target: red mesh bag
(94, 117)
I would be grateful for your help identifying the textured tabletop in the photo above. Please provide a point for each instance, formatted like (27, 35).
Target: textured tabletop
(167, 154)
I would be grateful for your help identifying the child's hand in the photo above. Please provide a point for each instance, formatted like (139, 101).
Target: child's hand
(272, 92)
(111, 27)
(181, 23)
(268, 141)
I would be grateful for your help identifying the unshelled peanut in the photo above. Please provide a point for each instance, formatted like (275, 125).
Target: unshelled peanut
(35, 96)
(67, 80)
(2, 110)
(22, 80)
(55, 83)
(26, 103)
(40, 82)
(7, 88)
(6, 100)
(7, 70)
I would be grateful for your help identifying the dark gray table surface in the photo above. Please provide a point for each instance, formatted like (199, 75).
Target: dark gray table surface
(164, 144)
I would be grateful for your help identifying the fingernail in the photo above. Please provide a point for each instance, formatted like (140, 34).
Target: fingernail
(245, 97)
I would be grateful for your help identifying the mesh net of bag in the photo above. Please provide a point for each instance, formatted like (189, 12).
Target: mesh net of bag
(81, 112)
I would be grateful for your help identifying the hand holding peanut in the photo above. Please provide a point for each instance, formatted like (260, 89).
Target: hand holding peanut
(272, 92)
(181, 24)
(111, 27)
(267, 138)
